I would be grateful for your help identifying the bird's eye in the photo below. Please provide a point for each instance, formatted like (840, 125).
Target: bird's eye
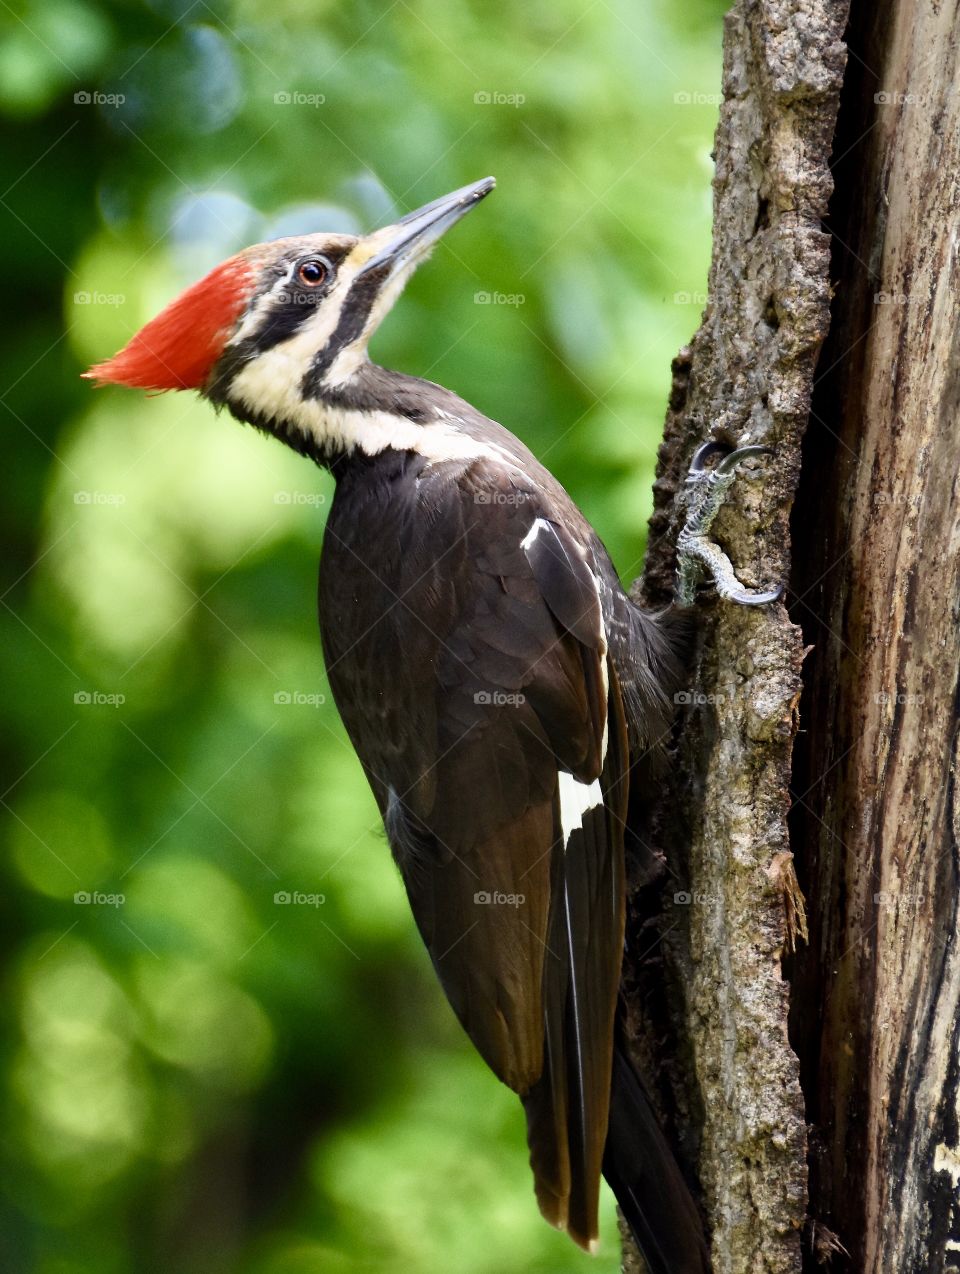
(313, 271)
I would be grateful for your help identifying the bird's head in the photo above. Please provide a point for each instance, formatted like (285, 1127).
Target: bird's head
(279, 332)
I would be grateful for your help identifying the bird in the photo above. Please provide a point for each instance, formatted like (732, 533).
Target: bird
(494, 678)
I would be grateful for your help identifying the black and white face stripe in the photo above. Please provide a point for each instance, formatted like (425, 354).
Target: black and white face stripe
(281, 306)
(300, 345)
(299, 353)
(339, 314)
(297, 366)
(353, 325)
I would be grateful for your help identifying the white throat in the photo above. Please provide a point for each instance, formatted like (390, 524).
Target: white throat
(269, 389)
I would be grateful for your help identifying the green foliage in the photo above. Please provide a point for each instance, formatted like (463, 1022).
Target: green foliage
(199, 1077)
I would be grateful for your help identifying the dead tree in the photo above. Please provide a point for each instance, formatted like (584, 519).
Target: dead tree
(812, 1078)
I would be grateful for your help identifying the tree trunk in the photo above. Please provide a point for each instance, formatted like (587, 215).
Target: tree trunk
(869, 1074)
(713, 862)
(876, 994)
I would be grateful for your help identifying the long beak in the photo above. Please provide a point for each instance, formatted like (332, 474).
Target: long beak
(414, 235)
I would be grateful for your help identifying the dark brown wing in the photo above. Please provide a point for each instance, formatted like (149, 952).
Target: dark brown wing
(485, 746)
(567, 1109)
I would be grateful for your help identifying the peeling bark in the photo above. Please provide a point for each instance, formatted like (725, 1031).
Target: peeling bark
(712, 860)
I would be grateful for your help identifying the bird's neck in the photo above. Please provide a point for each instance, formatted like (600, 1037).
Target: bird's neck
(371, 411)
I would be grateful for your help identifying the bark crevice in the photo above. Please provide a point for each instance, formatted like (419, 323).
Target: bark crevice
(877, 995)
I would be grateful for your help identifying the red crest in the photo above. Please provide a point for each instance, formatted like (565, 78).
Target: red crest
(178, 348)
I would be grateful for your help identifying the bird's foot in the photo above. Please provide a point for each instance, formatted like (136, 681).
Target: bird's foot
(707, 490)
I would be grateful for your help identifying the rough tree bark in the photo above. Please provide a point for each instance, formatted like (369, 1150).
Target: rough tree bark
(877, 993)
(705, 979)
(865, 1089)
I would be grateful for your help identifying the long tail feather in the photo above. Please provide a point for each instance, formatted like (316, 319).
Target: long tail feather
(642, 1172)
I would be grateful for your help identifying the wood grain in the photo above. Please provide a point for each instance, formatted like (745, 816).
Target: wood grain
(877, 994)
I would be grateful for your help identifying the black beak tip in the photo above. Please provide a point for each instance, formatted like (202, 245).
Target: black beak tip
(419, 230)
(455, 204)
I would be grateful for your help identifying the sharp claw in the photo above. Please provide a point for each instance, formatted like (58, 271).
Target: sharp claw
(731, 461)
(732, 457)
(696, 551)
(750, 597)
(703, 453)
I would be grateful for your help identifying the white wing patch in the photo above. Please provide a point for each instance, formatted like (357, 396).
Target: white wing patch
(539, 524)
(576, 799)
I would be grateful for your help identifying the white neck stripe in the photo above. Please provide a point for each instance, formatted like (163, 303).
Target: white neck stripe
(265, 389)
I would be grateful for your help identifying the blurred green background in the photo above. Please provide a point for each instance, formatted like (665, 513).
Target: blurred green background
(195, 1076)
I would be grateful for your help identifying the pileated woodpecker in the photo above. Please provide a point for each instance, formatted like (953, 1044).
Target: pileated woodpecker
(492, 674)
